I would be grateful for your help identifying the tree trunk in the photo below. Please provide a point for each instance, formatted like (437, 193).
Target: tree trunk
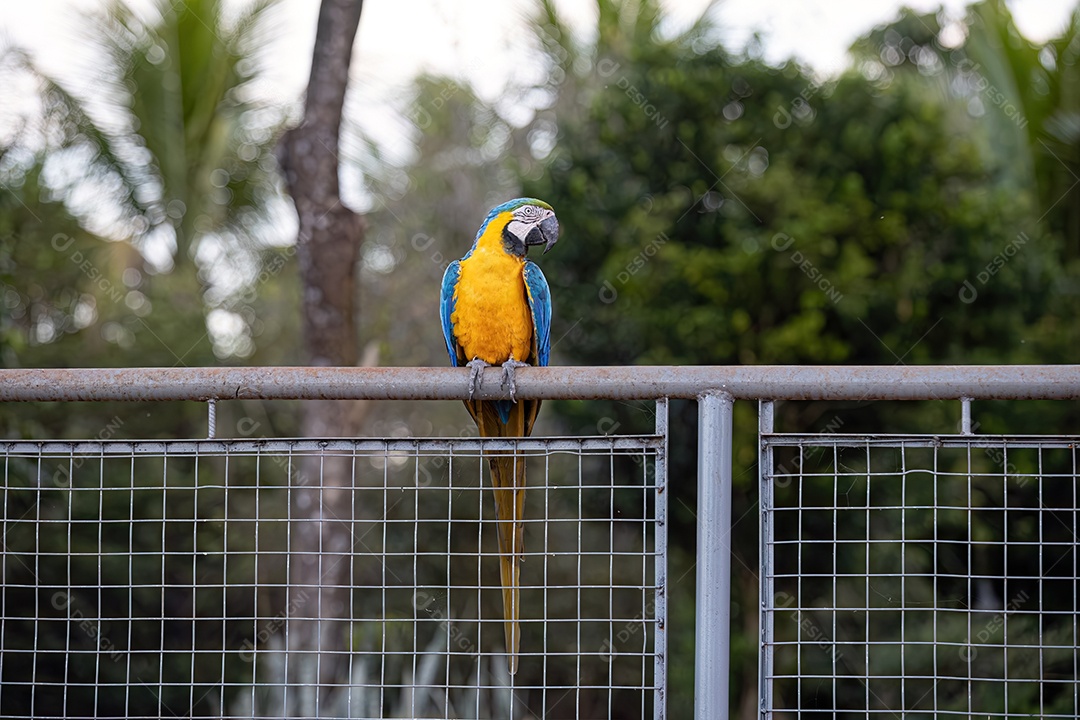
(329, 239)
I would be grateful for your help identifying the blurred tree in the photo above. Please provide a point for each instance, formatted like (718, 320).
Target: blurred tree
(175, 119)
(328, 242)
(1026, 93)
(1022, 94)
(1020, 99)
(171, 154)
(718, 210)
(134, 230)
(87, 234)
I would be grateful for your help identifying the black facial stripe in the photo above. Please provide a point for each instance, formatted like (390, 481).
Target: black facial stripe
(512, 243)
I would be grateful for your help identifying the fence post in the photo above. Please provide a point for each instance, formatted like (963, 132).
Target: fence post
(711, 671)
(660, 645)
(766, 415)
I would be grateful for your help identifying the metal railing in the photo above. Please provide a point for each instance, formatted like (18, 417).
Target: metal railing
(834, 640)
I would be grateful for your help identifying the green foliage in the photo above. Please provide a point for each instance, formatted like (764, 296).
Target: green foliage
(101, 214)
(111, 196)
(721, 211)
(210, 167)
(1021, 95)
(842, 237)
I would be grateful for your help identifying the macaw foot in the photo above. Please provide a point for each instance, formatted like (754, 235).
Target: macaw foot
(476, 376)
(508, 376)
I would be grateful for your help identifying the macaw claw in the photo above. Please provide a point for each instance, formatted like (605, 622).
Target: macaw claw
(508, 376)
(476, 376)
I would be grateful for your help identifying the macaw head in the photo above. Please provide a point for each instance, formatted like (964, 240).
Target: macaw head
(528, 222)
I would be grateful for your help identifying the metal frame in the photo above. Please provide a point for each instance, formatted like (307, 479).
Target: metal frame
(761, 382)
(715, 388)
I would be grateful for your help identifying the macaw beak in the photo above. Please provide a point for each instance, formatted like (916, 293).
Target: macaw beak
(546, 233)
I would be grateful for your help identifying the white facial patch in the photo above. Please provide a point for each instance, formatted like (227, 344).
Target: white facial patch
(519, 229)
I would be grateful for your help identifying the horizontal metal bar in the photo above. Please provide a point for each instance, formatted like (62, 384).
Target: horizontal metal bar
(433, 447)
(941, 441)
(762, 382)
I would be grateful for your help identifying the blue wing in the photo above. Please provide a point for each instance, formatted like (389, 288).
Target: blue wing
(446, 309)
(539, 295)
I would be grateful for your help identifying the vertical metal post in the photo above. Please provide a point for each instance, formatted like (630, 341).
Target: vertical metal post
(660, 601)
(211, 418)
(768, 569)
(711, 671)
(965, 416)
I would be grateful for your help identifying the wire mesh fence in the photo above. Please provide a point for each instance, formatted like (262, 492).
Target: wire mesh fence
(912, 575)
(920, 576)
(149, 579)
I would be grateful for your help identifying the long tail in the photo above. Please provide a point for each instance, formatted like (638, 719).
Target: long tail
(508, 487)
(508, 481)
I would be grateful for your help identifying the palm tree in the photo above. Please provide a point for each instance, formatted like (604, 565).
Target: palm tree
(1024, 95)
(1035, 109)
(167, 139)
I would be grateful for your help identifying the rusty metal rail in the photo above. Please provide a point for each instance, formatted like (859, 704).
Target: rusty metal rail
(1013, 382)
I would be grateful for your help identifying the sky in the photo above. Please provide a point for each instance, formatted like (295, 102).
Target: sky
(486, 40)
(489, 41)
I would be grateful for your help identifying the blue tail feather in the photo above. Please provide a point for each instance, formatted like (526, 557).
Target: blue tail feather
(503, 407)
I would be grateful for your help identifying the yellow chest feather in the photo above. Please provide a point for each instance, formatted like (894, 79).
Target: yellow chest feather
(491, 316)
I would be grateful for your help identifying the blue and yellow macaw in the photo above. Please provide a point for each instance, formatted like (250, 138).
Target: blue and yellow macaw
(496, 310)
